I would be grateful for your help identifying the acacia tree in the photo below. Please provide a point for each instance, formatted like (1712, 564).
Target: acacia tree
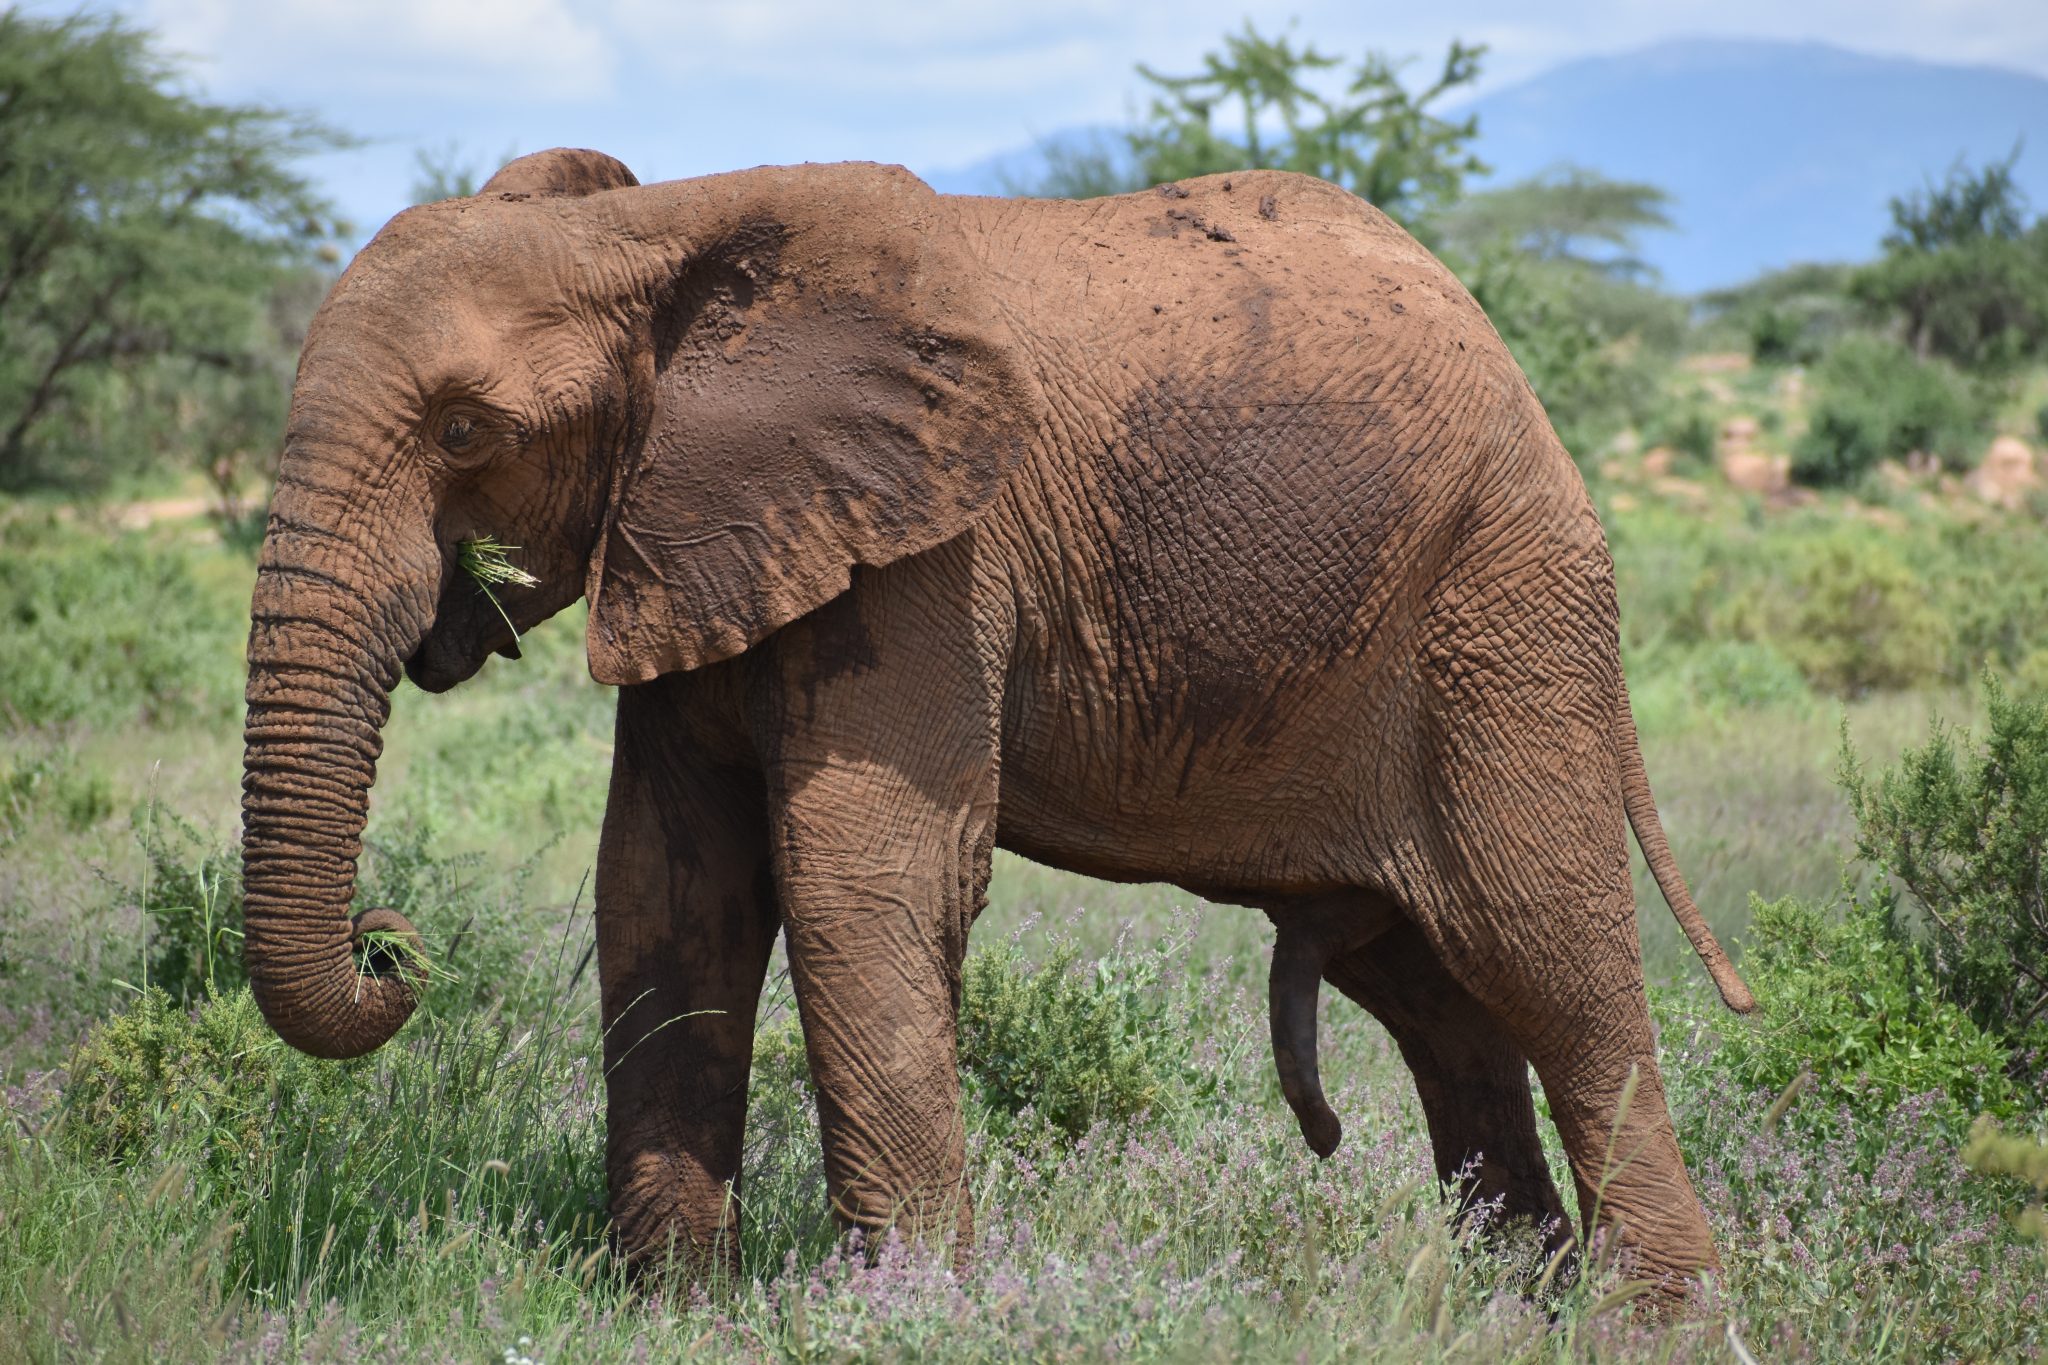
(1568, 216)
(1963, 270)
(1258, 104)
(1376, 138)
(151, 248)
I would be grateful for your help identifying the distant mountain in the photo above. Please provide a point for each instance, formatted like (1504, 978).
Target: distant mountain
(1776, 152)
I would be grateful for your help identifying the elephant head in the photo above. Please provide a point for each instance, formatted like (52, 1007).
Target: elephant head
(697, 404)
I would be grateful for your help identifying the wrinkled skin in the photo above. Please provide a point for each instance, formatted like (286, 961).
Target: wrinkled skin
(1206, 535)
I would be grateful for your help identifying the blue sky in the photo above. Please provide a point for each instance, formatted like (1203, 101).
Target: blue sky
(679, 89)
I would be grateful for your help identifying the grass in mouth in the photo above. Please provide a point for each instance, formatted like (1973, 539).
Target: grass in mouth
(487, 561)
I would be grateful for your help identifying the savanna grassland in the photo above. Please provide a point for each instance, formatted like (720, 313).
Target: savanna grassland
(176, 1183)
(1832, 607)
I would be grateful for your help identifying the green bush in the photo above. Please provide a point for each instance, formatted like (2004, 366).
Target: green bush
(1851, 1002)
(191, 902)
(51, 784)
(1855, 606)
(1778, 337)
(1743, 673)
(1874, 401)
(1593, 382)
(1688, 428)
(1993, 1152)
(115, 630)
(1990, 581)
(1963, 828)
(204, 1081)
(1849, 612)
(1782, 317)
(327, 1169)
(1074, 1044)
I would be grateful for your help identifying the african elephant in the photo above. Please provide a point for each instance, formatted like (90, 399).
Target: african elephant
(1206, 535)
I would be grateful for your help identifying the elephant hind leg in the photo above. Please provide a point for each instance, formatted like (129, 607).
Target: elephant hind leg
(1472, 1080)
(1564, 980)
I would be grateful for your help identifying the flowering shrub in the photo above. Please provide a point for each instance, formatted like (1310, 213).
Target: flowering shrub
(1853, 1228)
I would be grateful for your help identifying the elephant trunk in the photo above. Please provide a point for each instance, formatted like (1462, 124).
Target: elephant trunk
(324, 655)
(1299, 957)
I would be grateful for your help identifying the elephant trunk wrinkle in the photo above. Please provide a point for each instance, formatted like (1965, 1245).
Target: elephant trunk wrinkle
(318, 697)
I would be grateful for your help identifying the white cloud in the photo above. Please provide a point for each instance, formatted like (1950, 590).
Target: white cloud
(485, 49)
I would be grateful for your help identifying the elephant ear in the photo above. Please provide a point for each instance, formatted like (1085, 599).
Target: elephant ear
(829, 384)
(559, 172)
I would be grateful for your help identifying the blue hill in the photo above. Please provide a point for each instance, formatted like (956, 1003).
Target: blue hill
(1776, 152)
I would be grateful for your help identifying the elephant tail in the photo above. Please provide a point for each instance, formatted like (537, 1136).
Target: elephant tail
(1642, 817)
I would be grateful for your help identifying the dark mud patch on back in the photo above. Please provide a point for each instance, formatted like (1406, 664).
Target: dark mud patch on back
(1254, 547)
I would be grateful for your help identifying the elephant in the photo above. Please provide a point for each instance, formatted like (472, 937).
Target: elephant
(1205, 535)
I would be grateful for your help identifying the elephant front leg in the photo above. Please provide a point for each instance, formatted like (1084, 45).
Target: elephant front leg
(882, 750)
(877, 982)
(685, 923)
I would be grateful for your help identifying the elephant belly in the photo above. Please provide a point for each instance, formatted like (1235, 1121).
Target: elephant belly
(1230, 703)
(1258, 803)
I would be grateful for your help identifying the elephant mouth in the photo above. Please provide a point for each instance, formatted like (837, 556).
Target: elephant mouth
(434, 667)
(448, 656)
(471, 623)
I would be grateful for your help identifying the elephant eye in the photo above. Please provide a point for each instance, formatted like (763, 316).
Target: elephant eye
(457, 432)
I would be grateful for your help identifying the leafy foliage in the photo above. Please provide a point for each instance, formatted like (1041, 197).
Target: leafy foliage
(1376, 138)
(51, 782)
(1849, 612)
(1743, 673)
(144, 236)
(1075, 1045)
(1783, 317)
(445, 172)
(1687, 428)
(1569, 216)
(191, 900)
(1963, 827)
(1854, 607)
(1593, 381)
(1992, 1151)
(1553, 261)
(112, 630)
(1874, 401)
(158, 1071)
(1966, 207)
(1849, 1001)
(326, 1169)
(1963, 270)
